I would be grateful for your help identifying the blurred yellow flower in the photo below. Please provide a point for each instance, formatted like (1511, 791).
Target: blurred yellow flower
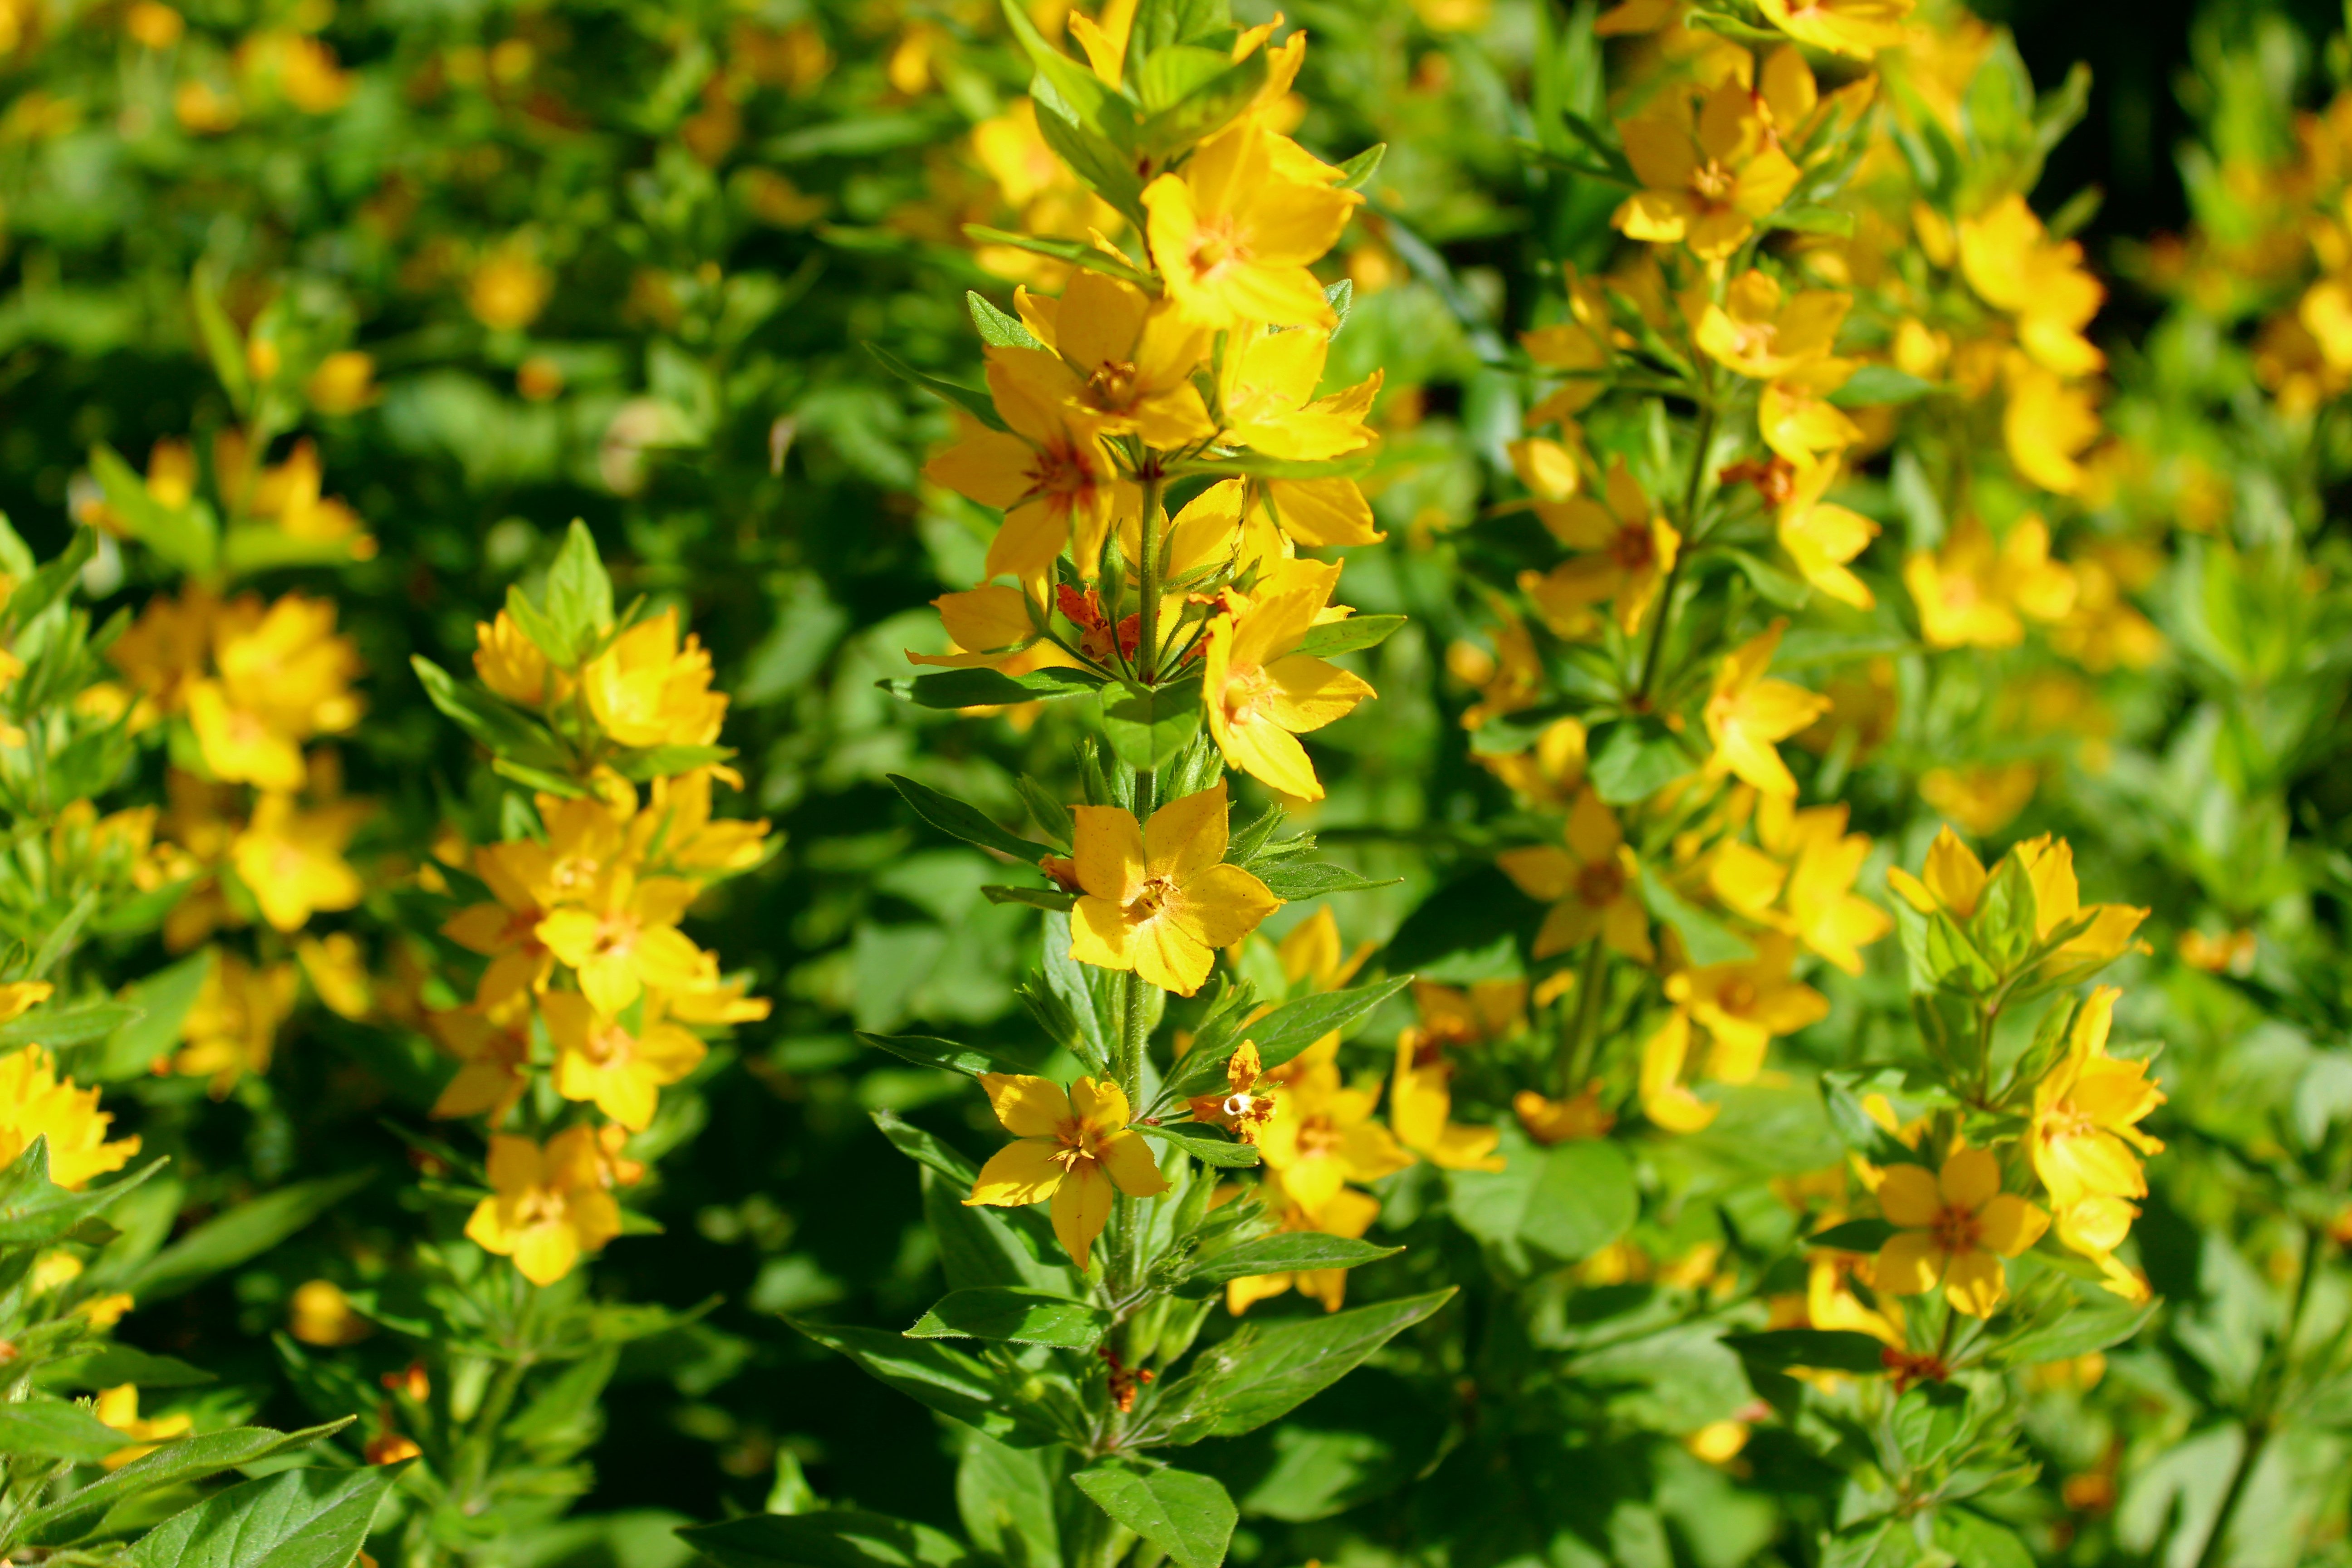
(35, 1102)
(1706, 183)
(548, 1203)
(1954, 1229)
(1593, 885)
(1747, 714)
(233, 1027)
(597, 1059)
(647, 690)
(1158, 899)
(291, 860)
(1235, 233)
(119, 1407)
(1262, 693)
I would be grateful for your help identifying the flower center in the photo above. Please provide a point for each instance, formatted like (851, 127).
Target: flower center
(1737, 997)
(1600, 883)
(1212, 246)
(1317, 1137)
(1713, 184)
(1957, 1231)
(1112, 385)
(1634, 549)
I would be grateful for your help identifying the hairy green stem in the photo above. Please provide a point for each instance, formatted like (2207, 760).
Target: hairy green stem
(1147, 576)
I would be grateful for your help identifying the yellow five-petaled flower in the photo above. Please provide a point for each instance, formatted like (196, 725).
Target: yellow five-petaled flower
(1073, 1147)
(1156, 900)
(1954, 1229)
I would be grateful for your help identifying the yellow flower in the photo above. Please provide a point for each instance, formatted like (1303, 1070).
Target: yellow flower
(597, 1058)
(677, 830)
(1953, 1229)
(1421, 1110)
(1858, 28)
(291, 860)
(2012, 264)
(1073, 1147)
(1323, 1137)
(1795, 417)
(233, 1027)
(493, 1051)
(318, 1313)
(35, 1102)
(119, 1407)
(1707, 184)
(1954, 878)
(1350, 1213)
(1241, 1109)
(1315, 512)
(1048, 472)
(1630, 549)
(2087, 1113)
(989, 625)
(2057, 899)
(337, 971)
(1263, 694)
(505, 931)
(1157, 899)
(1823, 910)
(343, 383)
(1134, 358)
(1744, 1005)
(2047, 424)
(1983, 799)
(548, 1203)
(1747, 714)
(1821, 538)
(508, 288)
(627, 941)
(646, 690)
(1761, 336)
(1580, 1115)
(1593, 885)
(514, 667)
(1974, 596)
(284, 678)
(1269, 399)
(1665, 1098)
(18, 997)
(1234, 234)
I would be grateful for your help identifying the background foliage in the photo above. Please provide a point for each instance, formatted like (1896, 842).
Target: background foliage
(623, 262)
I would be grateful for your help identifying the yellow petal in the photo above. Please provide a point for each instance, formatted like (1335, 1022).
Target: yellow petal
(1025, 1105)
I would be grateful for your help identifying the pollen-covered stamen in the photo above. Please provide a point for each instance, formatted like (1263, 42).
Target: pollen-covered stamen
(1713, 184)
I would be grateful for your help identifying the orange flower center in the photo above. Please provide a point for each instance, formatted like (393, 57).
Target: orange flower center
(1214, 244)
(1634, 549)
(1713, 184)
(1317, 1137)
(1112, 386)
(1600, 883)
(539, 1205)
(606, 1046)
(1737, 997)
(1958, 1231)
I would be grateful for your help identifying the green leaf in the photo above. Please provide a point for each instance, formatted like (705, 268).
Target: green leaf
(70, 1518)
(1266, 1370)
(163, 1000)
(1204, 1144)
(110, 1366)
(48, 1428)
(928, 1051)
(958, 820)
(1188, 1516)
(1706, 939)
(1356, 172)
(1205, 106)
(1293, 880)
(35, 1211)
(1052, 899)
(972, 400)
(1291, 1252)
(645, 764)
(1563, 1203)
(221, 339)
(827, 1538)
(948, 1381)
(1853, 1236)
(68, 1025)
(1015, 1316)
(1813, 220)
(1005, 1498)
(579, 595)
(1077, 253)
(244, 1233)
(1635, 759)
(2090, 1319)
(1294, 1025)
(1348, 636)
(1782, 589)
(296, 1519)
(1149, 725)
(1825, 1350)
(44, 587)
(504, 731)
(263, 547)
(951, 689)
(1470, 929)
(1877, 386)
(996, 327)
(925, 1150)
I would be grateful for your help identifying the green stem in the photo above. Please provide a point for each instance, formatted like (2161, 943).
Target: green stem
(1584, 1035)
(1146, 574)
(2261, 1417)
(1692, 485)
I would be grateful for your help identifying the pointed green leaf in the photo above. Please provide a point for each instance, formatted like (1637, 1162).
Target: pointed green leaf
(1267, 1369)
(296, 1519)
(70, 1518)
(1187, 1516)
(1204, 1144)
(1289, 1253)
(1015, 1316)
(959, 820)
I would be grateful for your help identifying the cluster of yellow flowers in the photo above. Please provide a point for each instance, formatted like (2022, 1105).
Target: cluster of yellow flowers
(588, 975)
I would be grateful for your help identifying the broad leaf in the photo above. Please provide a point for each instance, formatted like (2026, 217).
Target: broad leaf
(1204, 1144)
(579, 595)
(926, 1051)
(829, 1538)
(1826, 1350)
(244, 1233)
(1266, 1371)
(110, 1366)
(1291, 880)
(1562, 1203)
(46, 1429)
(1289, 1253)
(1294, 1025)
(1347, 635)
(1149, 725)
(1014, 1316)
(959, 820)
(70, 1518)
(1190, 1517)
(949, 1380)
(296, 1519)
